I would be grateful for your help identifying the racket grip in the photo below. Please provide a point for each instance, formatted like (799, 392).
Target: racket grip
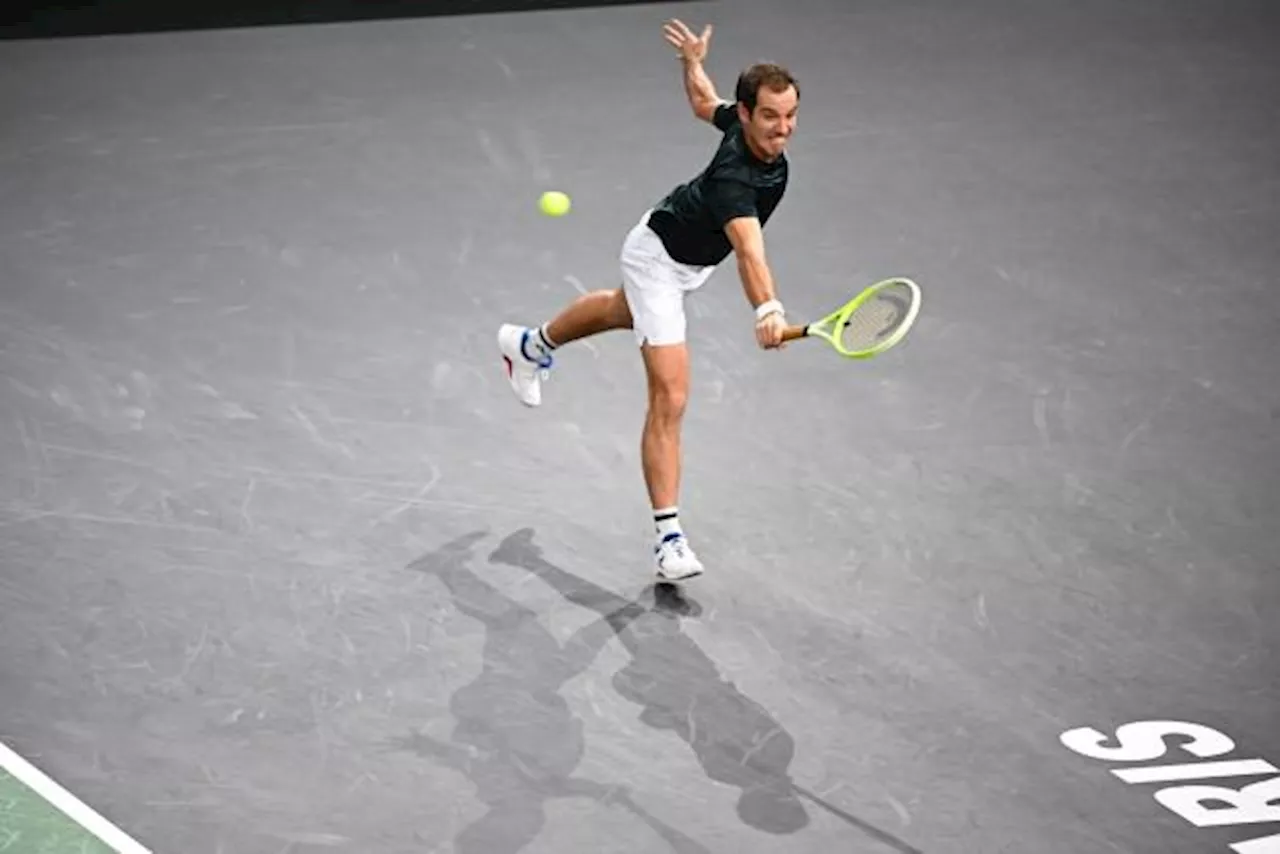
(791, 333)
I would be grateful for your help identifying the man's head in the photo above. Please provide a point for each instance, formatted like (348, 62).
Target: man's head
(768, 99)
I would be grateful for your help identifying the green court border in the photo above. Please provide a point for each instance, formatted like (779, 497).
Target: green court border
(38, 816)
(29, 824)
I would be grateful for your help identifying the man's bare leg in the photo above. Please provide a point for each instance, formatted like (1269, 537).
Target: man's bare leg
(667, 369)
(526, 351)
(590, 314)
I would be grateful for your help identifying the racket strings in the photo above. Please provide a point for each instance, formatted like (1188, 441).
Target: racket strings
(877, 319)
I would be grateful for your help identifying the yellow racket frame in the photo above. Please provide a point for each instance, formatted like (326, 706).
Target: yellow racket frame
(830, 327)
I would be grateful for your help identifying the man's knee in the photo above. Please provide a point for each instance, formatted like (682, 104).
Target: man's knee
(668, 401)
(668, 381)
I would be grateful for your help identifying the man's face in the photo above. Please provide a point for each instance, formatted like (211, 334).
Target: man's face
(773, 122)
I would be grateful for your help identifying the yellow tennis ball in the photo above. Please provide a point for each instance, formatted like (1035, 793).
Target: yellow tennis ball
(554, 203)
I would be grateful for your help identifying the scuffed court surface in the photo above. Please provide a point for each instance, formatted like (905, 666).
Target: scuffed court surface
(285, 568)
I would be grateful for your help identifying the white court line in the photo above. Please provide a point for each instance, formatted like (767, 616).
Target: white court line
(77, 811)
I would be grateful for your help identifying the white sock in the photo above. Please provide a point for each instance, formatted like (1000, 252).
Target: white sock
(667, 522)
(540, 344)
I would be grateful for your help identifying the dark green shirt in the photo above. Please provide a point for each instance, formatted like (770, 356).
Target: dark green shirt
(690, 220)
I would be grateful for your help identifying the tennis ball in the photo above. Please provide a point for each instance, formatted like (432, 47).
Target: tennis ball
(554, 203)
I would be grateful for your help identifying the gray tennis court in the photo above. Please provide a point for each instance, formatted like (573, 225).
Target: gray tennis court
(284, 567)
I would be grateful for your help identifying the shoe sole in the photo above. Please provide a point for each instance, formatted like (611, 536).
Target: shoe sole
(665, 576)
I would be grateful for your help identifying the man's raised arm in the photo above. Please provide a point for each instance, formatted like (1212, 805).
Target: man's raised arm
(697, 85)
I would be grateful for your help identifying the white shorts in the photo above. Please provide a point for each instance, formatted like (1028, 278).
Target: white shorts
(655, 286)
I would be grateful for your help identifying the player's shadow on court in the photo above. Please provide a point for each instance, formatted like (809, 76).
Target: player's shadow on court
(680, 689)
(516, 737)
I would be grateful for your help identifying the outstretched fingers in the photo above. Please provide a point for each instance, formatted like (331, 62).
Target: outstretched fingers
(678, 34)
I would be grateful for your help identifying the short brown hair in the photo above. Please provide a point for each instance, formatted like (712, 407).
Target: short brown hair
(770, 74)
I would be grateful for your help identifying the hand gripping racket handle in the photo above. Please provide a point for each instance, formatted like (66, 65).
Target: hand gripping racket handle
(791, 333)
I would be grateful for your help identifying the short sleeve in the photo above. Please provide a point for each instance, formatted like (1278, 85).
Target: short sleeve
(725, 116)
(730, 197)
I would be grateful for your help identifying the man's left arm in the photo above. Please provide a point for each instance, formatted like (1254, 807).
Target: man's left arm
(703, 98)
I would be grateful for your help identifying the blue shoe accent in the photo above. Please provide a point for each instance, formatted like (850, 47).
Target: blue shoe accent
(545, 362)
(674, 535)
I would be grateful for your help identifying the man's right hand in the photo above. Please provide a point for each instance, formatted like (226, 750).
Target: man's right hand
(690, 47)
(769, 331)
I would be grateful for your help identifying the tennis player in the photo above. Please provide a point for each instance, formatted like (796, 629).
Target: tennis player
(671, 252)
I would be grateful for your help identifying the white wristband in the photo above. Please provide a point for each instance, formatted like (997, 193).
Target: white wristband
(766, 308)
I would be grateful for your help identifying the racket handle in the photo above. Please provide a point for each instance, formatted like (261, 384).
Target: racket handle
(791, 333)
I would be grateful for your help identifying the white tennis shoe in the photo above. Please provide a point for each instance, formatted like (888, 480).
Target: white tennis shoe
(525, 371)
(675, 559)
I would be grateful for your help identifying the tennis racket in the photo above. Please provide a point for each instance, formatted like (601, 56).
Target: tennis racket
(869, 324)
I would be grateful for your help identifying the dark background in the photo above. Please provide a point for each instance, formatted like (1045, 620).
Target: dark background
(48, 20)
